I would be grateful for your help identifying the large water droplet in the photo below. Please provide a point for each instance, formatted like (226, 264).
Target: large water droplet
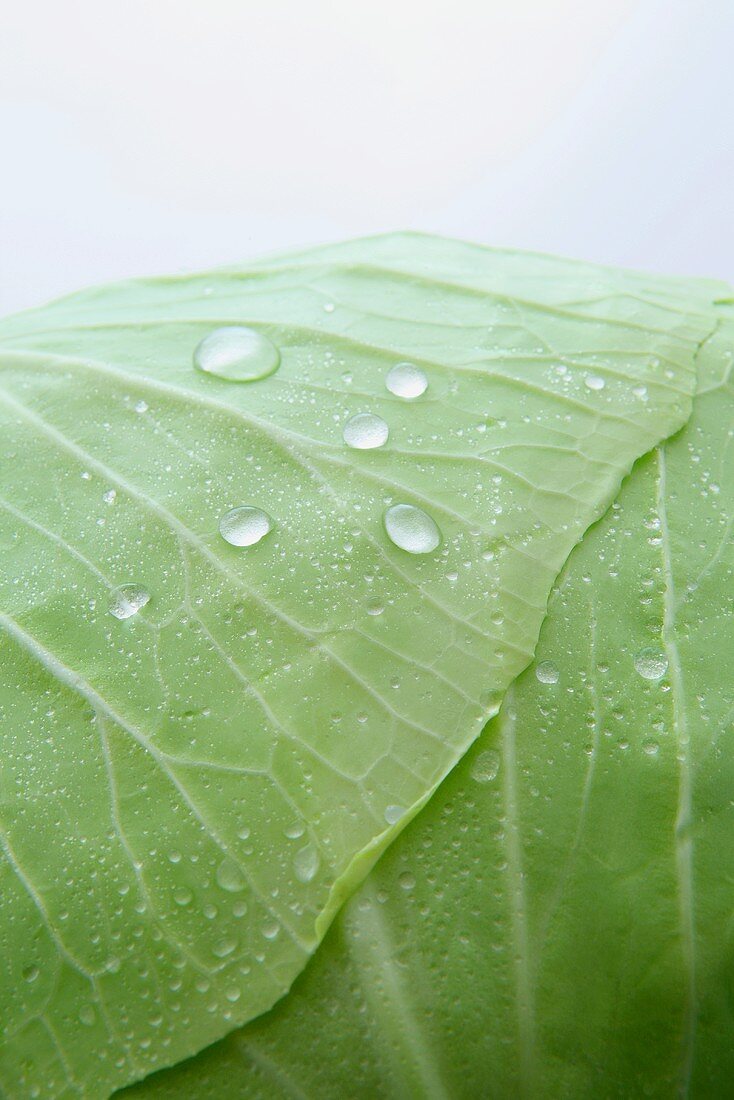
(224, 947)
(651, 663)
(230, 877)
(546, 673)
(393, 814)
(237, 353)
(244, 526)
(365, 431)
(127, 600)
(411, 529)
(306, 863)
(594, 382)
(406, 380)
(486, 766)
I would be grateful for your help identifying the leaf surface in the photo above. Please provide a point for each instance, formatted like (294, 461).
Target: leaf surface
(558, 919)
(188, 794)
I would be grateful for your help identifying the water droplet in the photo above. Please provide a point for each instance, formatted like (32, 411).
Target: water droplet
(230, 877)
(651, 748)
(127, 600)
(224, 947)
(109, 496)
(547, 673)
(406, 380)
(411, 529)
(271, 930)
(237, 353)
(87, 1015)
(306, 863)
(594, 382)
(651, 663)
(486, 766)
(30, 973)
(407, 881)
(244, 526)
(393, 814)
(365, 431)
(141, 406)
(183, 896)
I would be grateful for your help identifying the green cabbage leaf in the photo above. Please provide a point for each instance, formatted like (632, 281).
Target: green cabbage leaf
(558, 920)
(206, 746)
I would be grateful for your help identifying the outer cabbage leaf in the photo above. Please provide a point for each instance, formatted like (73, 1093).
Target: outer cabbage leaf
(558, 919)
(187, 796)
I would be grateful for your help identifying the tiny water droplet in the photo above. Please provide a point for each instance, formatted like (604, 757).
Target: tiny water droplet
(127, 600)
(141, 406)
(411, 529)
(87, 1015)
(651, 663)
(244, 526)
(407, 881)
(109, 497)
(230, 877)
(651, 748)
(486, 766)
(271, 930)
(393, 814)
(306, 863)
(407, 381)
(594, 382)
(237, 354)
(365, 431)
(547, 673)
(30, 973)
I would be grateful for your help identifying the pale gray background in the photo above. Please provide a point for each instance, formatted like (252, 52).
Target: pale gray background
(165, 135)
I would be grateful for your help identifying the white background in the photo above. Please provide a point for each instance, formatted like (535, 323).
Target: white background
(147, 136)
